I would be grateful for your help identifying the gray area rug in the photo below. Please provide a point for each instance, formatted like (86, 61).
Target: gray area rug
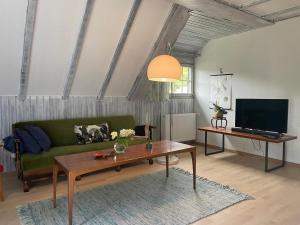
(148, 199)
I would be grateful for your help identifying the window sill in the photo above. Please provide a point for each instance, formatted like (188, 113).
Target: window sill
(180, 96)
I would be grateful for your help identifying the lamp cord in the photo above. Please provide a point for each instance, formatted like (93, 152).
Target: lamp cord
(170, 48)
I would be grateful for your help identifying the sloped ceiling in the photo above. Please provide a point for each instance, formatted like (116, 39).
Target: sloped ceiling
(58, 24)
(56, 29)
(145, 30)
(54, 40)
(212, 19)
(99, 45)
(12, 22)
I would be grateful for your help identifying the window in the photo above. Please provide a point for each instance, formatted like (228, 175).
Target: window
(185, 85)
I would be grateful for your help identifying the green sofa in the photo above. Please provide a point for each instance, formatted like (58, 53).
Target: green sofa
(64, 142)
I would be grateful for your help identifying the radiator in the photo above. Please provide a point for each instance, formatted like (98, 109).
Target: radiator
(183, 127)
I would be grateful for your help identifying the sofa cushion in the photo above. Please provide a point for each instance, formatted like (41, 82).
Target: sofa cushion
(61, 132)
(10, 144)
(92, 133)
(39, 136)
(45, 159)
(28, 141)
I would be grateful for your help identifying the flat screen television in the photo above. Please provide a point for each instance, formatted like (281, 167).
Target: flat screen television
(262, 114)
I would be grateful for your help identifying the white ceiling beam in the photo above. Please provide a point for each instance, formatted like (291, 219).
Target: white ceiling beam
(27, 47)
(78, 49)
(173, 25)
(119, 48)
(254, 3)
(216, 9)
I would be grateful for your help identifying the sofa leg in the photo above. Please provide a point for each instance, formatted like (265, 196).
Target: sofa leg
(150, 161)
(78, 178)
(118, 168)
(26, 185)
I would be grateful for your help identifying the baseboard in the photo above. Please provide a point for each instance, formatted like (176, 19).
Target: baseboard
(247, 154)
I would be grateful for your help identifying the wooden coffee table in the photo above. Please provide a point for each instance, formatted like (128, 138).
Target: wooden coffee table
(78, 164)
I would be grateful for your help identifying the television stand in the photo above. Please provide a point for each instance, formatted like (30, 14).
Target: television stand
(282, 139)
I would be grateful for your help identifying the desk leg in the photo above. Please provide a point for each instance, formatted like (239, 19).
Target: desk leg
(211, 153)
(71, 184)
(167, 165)
(223, 143)
(205, 142)
(267, 169)
(193, 155)
(54, 182)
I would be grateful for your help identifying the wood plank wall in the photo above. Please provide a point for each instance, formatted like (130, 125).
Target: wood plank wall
(40, 108)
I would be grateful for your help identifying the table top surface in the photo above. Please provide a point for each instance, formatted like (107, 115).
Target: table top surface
(228, 131)
(86, 162)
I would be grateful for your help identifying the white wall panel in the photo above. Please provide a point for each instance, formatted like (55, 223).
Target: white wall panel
(106, 24)
(12, 23)
(144, 32)
(56, 30)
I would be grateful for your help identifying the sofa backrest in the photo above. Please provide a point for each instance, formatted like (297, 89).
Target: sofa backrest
(61, 132)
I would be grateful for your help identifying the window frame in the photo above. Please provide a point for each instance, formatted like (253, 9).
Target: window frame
(185, 95)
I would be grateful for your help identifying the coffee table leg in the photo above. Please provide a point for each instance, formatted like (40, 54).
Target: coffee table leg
(1, 188)
(54, 181)
(167, 165)
(193, 155)
(71, 183)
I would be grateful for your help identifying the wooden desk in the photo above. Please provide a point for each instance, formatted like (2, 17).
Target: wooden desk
(229, 132)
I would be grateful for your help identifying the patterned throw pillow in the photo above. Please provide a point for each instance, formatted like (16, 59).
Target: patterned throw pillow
(87, 134)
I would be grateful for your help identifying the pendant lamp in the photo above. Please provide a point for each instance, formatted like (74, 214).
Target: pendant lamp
(164, 68)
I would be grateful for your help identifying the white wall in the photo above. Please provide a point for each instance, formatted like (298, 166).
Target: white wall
(266, 64)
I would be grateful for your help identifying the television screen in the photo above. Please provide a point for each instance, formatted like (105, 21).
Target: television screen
(262, 114)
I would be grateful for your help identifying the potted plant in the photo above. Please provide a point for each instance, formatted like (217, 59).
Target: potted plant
(122, 139)
(219, 111)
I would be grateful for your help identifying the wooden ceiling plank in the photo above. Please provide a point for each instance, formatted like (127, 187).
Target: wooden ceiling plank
(78, 49)
(253, 3)
(27, 47)
(209, 27)
(218, 22)
(119, 48)
(223, 11)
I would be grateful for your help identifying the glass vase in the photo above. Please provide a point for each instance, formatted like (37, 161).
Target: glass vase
(119, 148)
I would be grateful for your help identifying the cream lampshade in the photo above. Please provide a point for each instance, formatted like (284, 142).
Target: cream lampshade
(164, 68)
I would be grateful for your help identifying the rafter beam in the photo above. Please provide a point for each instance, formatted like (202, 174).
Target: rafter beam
(254, 3)
(78, 49)
(218, 9)
(295, 11)
(27, 47)
(119, 48)
(173, 25)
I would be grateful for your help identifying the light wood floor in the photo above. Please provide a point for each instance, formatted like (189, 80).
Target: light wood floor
(277, 194)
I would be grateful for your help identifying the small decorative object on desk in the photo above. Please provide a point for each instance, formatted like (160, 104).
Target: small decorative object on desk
(149, 144)
(218, 115)
(121, 139)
